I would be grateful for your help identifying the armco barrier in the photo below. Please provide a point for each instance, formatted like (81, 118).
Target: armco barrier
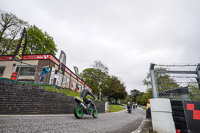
(21, 98)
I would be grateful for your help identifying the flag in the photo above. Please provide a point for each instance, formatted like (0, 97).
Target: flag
(62, 58)
(76, 70)
(19, 52)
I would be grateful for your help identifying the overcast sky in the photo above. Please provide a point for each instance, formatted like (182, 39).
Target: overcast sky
(125, 35)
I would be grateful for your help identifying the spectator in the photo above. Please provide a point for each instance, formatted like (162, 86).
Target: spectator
(44, 72)
(148, 110)
(133, 105)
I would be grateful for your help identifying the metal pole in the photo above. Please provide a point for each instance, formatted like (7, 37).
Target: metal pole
(19, 71)
(62, 79)
(198, 75)
(153, 81)
(100, 95)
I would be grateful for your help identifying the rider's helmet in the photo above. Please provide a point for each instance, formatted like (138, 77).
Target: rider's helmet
(128, 102)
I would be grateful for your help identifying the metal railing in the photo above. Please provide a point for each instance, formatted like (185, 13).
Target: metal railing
(177, 82)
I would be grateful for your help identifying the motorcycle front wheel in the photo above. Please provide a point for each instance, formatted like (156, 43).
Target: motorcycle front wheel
(95, 113)
(78, 111)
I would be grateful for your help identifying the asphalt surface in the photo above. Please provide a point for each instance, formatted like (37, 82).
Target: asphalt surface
(119, 122)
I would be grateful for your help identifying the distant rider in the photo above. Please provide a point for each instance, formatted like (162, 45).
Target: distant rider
(129, 105)
(84, 94)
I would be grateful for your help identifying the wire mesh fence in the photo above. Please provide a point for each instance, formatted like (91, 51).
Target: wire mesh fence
(176, 81)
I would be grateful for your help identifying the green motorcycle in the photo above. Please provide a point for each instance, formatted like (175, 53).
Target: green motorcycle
(81, 108)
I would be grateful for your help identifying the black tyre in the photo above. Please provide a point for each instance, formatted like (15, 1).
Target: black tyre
(78, 111)
(178, 113)
(180, 125)
(129, 111)
(177, 108)
(95, 113)
(179, 119)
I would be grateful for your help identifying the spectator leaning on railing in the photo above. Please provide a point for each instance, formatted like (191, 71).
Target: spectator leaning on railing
(44, 72)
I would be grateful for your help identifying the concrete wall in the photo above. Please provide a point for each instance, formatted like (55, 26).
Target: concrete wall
(18, 98)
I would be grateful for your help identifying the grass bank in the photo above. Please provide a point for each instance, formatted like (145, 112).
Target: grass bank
(52, 88)
(65, 91)
(115, 108)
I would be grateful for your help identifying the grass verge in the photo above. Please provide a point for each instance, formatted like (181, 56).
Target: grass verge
(115, 108)
(65, 91)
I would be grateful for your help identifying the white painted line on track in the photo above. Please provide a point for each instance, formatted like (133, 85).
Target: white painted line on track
(139, 129)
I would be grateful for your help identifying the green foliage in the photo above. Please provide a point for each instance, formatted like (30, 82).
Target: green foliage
(10, 29)
(134, 94)
(194, 91)
(98, 65)
(143, 98)
(65, 91)
(116, 89)
(127, 99)
(99, 80)
(39, 42)
(115, 108)
(164, 82)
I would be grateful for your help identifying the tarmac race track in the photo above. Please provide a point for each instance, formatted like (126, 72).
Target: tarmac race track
(119, 122)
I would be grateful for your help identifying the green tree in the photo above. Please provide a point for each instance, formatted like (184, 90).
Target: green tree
(164, 82)
(117, 89)
(134, 94)
(10, 29)
(100, 66)
(39, 42)
(99, 80)
(95, 79)
(194, 91)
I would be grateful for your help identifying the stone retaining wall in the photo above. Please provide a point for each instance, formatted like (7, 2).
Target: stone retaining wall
(18, 98)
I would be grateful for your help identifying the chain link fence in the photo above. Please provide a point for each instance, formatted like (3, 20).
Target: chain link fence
(176, 81)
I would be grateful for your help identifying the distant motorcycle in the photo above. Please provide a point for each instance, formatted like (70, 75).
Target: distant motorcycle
(81, 108)
(129, 110)
(129, 107)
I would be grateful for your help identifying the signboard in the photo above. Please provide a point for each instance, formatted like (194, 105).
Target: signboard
(62, 59)
(19, 52)
(192, 115)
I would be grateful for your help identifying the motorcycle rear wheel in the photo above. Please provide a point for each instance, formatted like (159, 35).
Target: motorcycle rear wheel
(78, 111)
(95, 113)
